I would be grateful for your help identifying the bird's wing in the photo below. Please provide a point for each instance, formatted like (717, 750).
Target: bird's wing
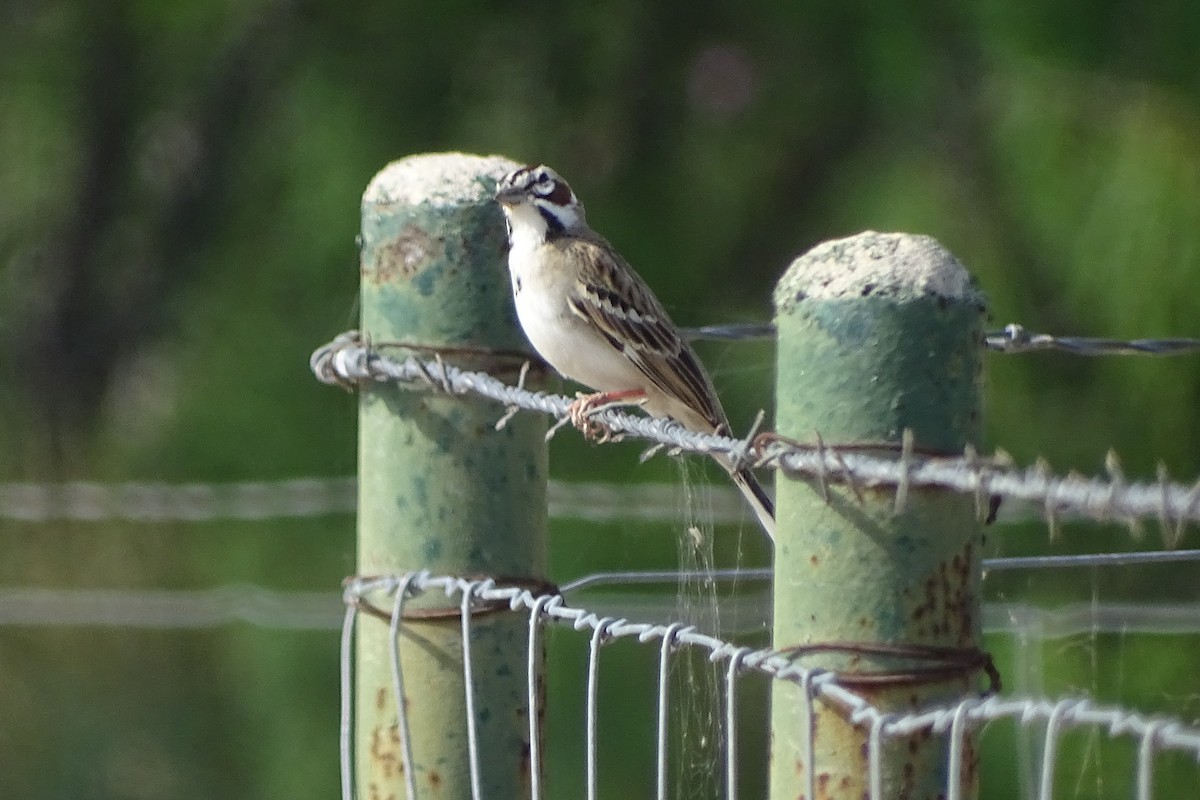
(612, 297)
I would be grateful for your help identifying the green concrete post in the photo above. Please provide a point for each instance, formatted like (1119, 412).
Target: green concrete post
(878, 333)
(439, 487)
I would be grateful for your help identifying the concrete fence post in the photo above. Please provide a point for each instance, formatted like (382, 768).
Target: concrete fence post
(440, 488)
(878, 333)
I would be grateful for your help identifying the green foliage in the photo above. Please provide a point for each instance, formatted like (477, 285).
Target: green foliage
(178, 205)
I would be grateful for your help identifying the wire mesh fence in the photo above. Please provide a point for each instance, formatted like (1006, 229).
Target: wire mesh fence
(1150, 734)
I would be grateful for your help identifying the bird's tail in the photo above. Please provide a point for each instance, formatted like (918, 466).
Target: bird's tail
(755, 495)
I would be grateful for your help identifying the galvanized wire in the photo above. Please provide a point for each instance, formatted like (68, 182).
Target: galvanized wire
(469, 591)
(1012, 339)
(1015, 339)
(664, 661)
(402, 727)
(155, 502)
(996, 564)
(201, 609)
(151, 501)
(1150, 734)
(532, 699)
(732, 672)
(347, 361)
(599, 631)
(146, 502)
(346, 704)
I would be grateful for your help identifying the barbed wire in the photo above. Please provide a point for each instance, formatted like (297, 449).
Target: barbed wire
(308, 497)
(1011, 339)
(347, 362)
(1150, 733)
(1015, 339)
(299, 498)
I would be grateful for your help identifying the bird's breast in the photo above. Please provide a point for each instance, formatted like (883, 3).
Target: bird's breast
(541, 291)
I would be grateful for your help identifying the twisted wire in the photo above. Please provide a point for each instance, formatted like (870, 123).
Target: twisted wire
(1012, 339)
(346, 361)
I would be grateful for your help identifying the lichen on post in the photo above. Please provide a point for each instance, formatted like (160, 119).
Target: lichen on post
(878, 334)
(439, 487)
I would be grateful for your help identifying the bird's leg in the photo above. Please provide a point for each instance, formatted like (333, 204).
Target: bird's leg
(585, 405)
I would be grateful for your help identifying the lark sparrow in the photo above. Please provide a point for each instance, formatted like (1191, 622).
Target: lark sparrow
(593, 319)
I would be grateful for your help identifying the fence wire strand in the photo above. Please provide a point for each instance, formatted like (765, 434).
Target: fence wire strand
(1148, 734)
(346, 361)
(1012, 339)
(143, 502)
(157, 502)
(196, 609)
(402, 727)
(468, 592)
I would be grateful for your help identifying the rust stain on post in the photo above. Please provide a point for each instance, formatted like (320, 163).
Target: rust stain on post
(412, 251)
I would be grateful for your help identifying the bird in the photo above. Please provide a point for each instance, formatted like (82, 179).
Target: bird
(592, 318)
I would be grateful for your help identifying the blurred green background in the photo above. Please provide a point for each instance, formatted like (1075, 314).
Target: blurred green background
(179, 188)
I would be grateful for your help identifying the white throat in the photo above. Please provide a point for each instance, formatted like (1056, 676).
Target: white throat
(528, 229)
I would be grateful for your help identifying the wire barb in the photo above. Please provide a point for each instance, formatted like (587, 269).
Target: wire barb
(511, 411)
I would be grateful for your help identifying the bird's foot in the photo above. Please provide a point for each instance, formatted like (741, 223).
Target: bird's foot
(585, 406)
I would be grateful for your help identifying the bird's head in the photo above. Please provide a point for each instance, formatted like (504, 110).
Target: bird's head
(537, 199)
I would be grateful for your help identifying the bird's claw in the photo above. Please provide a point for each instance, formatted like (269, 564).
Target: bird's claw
(580, 413)
(583, 409)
